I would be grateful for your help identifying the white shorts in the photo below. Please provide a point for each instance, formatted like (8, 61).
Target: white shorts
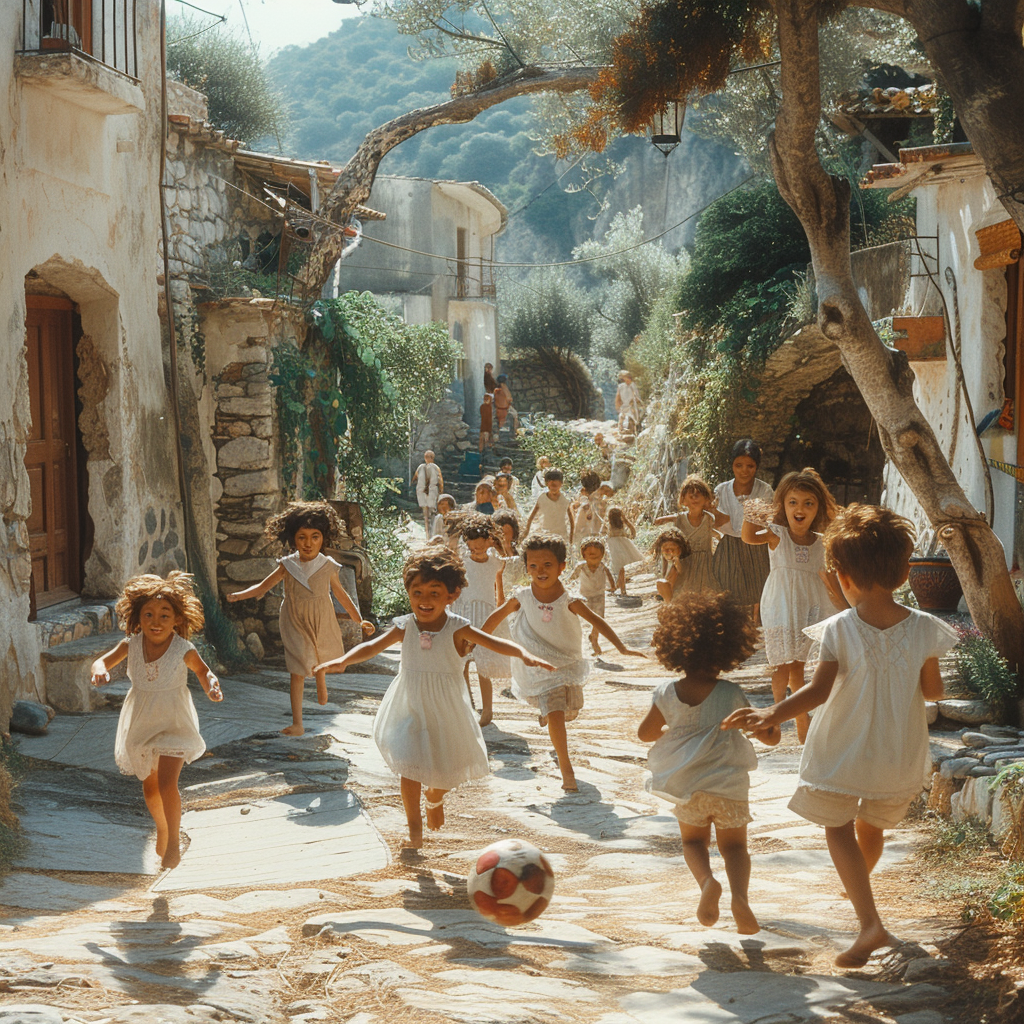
(836, 809)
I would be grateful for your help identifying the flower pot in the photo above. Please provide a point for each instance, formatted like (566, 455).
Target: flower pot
(935, 584)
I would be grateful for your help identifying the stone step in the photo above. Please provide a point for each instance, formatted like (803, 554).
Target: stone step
(72, 620)
(66, 672)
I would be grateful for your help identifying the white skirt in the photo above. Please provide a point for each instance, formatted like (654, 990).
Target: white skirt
(488, 663)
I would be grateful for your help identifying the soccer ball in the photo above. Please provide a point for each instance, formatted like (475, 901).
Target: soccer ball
(511, 883)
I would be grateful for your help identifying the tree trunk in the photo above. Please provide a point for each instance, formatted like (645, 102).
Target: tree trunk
(356, 178)
(883, 376)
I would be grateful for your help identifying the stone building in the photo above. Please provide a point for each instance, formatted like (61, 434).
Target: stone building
(89, 492)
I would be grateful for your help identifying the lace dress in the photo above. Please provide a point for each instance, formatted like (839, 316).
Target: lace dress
(794, 597)
(621, 550)
(158, 717)
(426, 728)
(476, 602)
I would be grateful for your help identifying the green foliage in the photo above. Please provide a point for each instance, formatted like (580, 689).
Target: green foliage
(568, 450)
(955, 841)
(1007, 902)
(982, 669)
(546, 313)
(652, 353)
(229, 70)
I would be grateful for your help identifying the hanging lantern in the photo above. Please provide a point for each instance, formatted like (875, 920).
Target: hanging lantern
(667, 126)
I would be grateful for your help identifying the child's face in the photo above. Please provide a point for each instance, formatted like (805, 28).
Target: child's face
(308, 542)
(158, 618)
(543, 567)
(543, 463)
(483, 495)
(671, 551)
(592, 555)
(554, 487)
(695, 501)
(428, 456)
(478, 547)
(444, 507)
(599, 439)
(506, 466)
(506, 529)
(743, 469)
(501, 486)
(429, 598)
(801, 509)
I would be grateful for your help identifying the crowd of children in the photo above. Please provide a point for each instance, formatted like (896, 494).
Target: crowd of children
(481, 592)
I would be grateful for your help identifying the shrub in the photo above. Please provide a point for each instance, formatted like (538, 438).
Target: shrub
(983, 670)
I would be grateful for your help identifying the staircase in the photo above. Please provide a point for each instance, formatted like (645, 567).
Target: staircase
(462, 487)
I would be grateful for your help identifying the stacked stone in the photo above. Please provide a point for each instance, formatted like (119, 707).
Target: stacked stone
(445, 432)
(247, 466)
(534, 389)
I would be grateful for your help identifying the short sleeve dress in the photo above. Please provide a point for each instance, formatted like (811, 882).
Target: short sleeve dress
(870, 738)
(621, 550)
(694, 757)
(793, 598)
(426, 728)
(593, 584)
(554, 633)
(475, 603)
(740, 568)
(697, 574)
(158, 718)
(310, 632)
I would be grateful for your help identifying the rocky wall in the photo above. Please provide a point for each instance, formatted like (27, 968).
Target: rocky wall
(536, 390)
(444, 432)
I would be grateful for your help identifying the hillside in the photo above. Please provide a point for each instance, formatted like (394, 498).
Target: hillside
(342, 86)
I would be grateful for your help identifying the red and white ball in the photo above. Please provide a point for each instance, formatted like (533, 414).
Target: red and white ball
(511, 883)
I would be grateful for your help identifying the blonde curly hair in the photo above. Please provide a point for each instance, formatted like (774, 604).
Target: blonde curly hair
(177, 590)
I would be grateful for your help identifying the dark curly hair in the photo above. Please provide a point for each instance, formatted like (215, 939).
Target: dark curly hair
(676, 537)
(471, 525)
(435, 562)
(177, 590)
(305, 515)
(542, 540)
(590, 480)
(506, 517)
(553, 474)
(702, 632)
(748, 447)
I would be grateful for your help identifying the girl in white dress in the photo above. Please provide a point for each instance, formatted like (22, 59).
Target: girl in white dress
(795, 595)
(547, 620)
(538, 485)
(739, 568)
(701, 770)
(158, 730)
(621, 549)
(867, 755)
(594, 579)
(425, 728)
(482, 593)
(696, 521)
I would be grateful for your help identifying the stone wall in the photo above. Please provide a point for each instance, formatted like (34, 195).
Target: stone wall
(535, 389)
(445, 433)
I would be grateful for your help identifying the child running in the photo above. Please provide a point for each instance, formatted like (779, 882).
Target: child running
(479, 597)
(445, 506)
(425, 728)
(866, 756)
(621, 549)
(537, 485)
(158, 729)
(794, 596)
(696, 520)
(547, 620)
(589, 522)
(594, 579)
(309, 625)
(674, 551)
(553, 510)
(701, 770)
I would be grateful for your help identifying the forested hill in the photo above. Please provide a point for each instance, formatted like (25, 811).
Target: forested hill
(342, 86)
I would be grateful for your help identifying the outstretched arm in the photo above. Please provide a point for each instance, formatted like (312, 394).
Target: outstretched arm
(260, 588)
(472, 635)
(529, 519)
(751, 535)
(807, 698)
(581, 609)
(349, 605)
(207, 680)
(662, 520)
(363, 652)
(101, 666)
(498, 616)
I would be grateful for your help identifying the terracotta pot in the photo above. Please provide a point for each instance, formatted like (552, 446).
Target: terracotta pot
(935, 584)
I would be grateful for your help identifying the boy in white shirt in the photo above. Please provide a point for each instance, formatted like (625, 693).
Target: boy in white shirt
(552, 511)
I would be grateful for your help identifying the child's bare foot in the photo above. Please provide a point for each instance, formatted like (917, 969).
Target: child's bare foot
(595, 648)
(867, 942)
(415, 840)
(171, 858)
(746, 923)
(161, 843)
(707, 908)
(321, 687)
(569, 782)
(293, 730)
(435, 814)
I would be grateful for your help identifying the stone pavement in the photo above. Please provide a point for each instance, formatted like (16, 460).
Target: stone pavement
(295, 899)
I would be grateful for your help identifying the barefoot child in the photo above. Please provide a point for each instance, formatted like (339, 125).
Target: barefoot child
(621, 549)
(794, 595)
(696, 520)
(158, 730)
(547, 620)
(425, 728)
(707, 780)
(594, 579)
(309, 626)
(674, 550)
(553, 510)
(866, 756)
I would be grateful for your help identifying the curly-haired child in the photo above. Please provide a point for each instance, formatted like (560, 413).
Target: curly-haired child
(866, 756)
(309, 624)
(701, 769)
(158, 729)
(425, 728)
(673, 549)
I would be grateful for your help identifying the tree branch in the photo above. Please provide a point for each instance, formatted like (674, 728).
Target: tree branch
(357, 176)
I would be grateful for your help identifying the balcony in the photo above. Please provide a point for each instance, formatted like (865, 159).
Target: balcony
(68, 33)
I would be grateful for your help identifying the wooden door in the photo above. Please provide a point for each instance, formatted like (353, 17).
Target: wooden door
(50, 457)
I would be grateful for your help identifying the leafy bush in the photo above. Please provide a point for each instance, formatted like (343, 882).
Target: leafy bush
(982, 669)
(568, 450)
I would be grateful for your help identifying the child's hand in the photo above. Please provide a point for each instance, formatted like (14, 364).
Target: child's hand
(750, 720)
(534, 662)
(633, 652)
(338, 665)
(100, 675)
(367, 627)
(236, 596)
(769, 735)
(213, 690)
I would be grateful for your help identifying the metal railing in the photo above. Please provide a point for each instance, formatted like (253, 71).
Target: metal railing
(474, 279)
(100, 30)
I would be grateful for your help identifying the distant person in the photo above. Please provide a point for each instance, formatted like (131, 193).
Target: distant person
(627, 403)
(503, 405)
(429, 484)
(486, 423)
(490, 384)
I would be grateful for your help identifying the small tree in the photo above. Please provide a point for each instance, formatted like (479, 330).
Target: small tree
(229, 70)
